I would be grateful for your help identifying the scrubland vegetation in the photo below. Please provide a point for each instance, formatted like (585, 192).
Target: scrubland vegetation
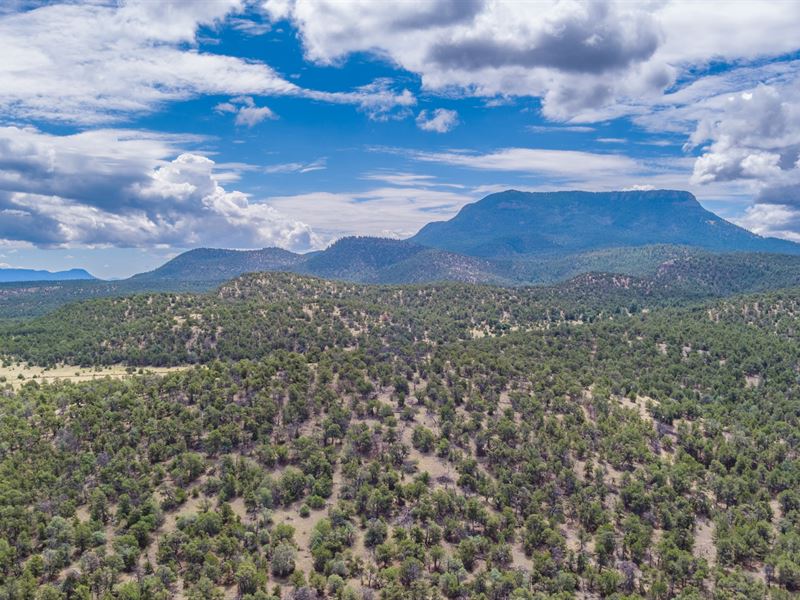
(331, 440)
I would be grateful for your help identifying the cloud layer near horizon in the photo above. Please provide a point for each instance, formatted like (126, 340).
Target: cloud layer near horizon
(116, 187)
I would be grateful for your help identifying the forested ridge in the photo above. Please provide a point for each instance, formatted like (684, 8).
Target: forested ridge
(260, 313)
(675, 272)
(605, 438)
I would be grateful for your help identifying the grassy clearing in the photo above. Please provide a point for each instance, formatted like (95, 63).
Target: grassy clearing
(18, 374)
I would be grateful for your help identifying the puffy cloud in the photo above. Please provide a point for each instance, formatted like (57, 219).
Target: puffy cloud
(91, 63)
(698, 31)
(246, 111)
(587, 61)
(253, 115)
(561, 51)
(593, 37)
(772, 220)
(405, 18)
(188, 183)
(440, 120)
(92, 167)
(115, 187)
(755, 134)
(754, 137)
(97, 62)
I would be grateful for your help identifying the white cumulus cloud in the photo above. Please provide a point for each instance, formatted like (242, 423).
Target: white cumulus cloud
(118, 187)
(440, 120)
(99, 62)
(587, 61)
(754, 138)
(246, 111)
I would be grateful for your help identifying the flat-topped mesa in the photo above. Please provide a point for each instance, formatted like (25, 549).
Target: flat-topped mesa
(514, 223)
(8, 275)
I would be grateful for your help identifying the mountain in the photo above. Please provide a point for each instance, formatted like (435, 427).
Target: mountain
(382, 260)
(514, 223)
(512, 238)
(9, 275)
(361, 259)
(215, 265)
(358, 258)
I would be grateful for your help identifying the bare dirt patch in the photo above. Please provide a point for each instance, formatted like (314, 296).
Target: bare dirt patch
(304, 526)
(239, 509)
(753, 380)
(777, 511)
(302, 533)
(520, 559)
(430, 463)
(704, 542)
(639, 405)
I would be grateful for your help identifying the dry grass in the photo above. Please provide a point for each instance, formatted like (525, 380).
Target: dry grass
(302, 533)
(704, 542)
(18, 374)
(752, 381)
(430, 463)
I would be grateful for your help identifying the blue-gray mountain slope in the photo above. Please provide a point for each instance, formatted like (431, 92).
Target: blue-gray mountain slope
(514, 223)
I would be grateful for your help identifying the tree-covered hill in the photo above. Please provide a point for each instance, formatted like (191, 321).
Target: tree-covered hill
(263, 312)
(215, 265)
(430, 441)
(22, 301)
(675, 271)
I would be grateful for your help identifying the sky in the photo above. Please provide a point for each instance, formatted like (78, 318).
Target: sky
(133, 130)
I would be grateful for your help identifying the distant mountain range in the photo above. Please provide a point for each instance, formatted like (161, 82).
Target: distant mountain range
(509, 238)
(14, 275)
(363, 259)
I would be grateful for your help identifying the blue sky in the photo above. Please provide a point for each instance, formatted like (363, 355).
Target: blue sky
(131, 131)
